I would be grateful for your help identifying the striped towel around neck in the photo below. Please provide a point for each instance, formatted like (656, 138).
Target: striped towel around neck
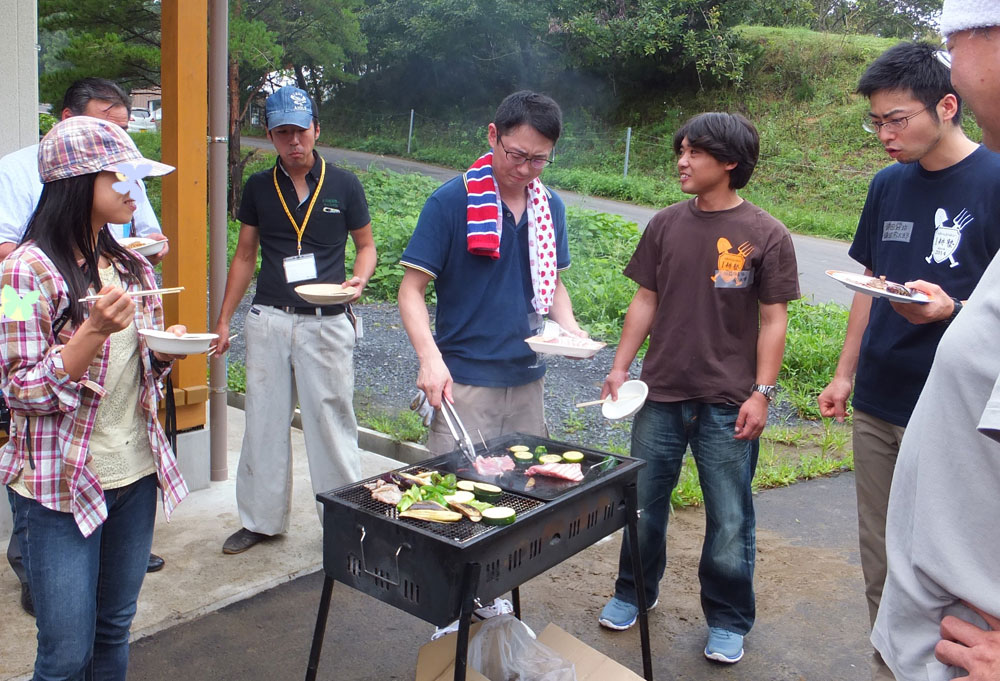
(484, 228)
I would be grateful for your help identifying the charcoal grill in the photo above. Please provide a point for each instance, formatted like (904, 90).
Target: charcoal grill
(415, 565)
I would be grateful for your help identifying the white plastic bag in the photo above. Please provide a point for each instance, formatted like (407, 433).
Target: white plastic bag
(505, 650)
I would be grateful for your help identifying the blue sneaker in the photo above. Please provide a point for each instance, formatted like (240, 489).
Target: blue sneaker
(724, 646)
(619, 615)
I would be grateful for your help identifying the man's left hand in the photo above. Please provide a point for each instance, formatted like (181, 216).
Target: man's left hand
(975, 650)
(358, 283)
(157, 257)
(938, 309)
(752, 417)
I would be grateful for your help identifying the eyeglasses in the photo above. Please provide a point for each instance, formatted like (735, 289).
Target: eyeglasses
(519, 159)
(892, 125)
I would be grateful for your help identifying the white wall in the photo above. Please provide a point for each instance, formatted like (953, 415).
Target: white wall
(19, 66)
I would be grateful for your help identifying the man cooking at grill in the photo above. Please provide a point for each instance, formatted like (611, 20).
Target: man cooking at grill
(493, 241)
(299, 214)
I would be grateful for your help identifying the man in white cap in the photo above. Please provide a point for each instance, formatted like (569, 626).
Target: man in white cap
(940, 609)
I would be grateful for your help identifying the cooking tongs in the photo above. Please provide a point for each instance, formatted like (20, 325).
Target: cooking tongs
(464, 441)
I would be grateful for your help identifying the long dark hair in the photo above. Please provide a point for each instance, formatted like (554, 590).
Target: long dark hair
(61, 223)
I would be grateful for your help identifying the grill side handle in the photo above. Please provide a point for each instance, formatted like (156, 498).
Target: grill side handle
(376, 575)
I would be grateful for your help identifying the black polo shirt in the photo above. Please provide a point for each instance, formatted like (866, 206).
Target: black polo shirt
(340, 208)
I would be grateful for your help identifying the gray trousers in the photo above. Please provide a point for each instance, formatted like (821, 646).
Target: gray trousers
(492, 412)
(309, 360)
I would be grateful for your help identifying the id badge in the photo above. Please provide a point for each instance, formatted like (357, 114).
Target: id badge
(300, 267)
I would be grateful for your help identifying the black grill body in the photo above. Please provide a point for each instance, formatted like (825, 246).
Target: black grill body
(438, 571)
(416, 565)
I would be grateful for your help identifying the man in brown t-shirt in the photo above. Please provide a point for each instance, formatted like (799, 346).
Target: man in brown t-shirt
(715, 275)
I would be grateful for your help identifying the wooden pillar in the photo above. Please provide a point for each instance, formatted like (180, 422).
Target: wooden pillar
(184, 80)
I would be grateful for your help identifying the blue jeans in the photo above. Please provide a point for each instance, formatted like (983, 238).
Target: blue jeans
(661, 433)
(85, 588)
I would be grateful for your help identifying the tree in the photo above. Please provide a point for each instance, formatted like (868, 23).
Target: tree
(114, 39)
(886, 18)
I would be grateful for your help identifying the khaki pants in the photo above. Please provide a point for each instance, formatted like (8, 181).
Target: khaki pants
(492, 412)
(876, 444)
(295, 358)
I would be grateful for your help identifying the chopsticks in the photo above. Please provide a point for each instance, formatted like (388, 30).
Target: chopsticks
(212, 348)
(137, 294)
(593, 402)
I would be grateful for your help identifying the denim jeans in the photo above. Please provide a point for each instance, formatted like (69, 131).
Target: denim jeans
(661, 433)
(85, 588)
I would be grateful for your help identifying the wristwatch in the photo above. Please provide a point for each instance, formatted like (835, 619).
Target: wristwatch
(768, 391)
(955, 311)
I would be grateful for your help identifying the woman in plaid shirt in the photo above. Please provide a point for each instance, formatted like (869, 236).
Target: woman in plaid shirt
(86, 454)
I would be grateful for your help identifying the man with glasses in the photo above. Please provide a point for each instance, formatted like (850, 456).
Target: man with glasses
(493, 241)
(940, 612)
(932, 217)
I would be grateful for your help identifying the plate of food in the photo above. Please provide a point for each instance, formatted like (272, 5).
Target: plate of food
(325, 294)
(169, 344)
(143, 245)
(567, 346)
(878, 287)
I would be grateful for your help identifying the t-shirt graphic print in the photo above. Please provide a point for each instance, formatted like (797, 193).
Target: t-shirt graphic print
(947, 235)
(732, 261)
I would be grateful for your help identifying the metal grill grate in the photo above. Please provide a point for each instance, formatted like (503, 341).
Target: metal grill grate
(462, 531)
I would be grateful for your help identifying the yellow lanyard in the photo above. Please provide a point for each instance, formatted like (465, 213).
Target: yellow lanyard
(299, 231)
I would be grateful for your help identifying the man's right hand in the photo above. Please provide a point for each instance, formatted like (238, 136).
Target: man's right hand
(435, 380)
(833, 399)
(612, 382)
(222, 342)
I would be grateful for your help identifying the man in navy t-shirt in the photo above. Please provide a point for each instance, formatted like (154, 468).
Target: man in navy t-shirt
(493, 241)
(930, 222)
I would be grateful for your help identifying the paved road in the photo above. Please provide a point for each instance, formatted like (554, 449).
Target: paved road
(815, 255)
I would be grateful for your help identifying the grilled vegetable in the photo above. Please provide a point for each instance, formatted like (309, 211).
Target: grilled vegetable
(572, 457)
(466, 485)
(479, 505)
(540, 450)
(524, 458)
(550, 458)
(518, 448)
(414, 479)
(431, 515)
(428, 506)
(499, 515)
(460, 497)
(470, 512)
(487, 492)
(449, 481)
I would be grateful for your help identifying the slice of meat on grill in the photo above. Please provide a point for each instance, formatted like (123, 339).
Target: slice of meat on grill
(385, 492)
(563, 471)
(494, 465)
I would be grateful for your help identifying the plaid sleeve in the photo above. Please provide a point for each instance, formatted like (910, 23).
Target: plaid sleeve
(35, 381)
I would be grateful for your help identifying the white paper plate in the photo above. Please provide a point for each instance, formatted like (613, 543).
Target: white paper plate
(565, 346)
(143, 245)
(169, 344)
(631, 396)
(861, 283)
(325, 294)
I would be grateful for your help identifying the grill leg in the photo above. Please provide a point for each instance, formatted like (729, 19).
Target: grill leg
(515, 597)
(320, 631)
(470, 578)
(632, 515)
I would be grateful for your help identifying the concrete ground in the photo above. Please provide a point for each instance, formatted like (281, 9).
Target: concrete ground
(251, 617)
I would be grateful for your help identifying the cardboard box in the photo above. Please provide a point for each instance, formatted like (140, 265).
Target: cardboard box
(436, 660)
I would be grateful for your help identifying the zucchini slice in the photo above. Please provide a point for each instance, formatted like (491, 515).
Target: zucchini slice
(572, 456)
(524, 457)
(518, 448)
(460, 497)
(499, 515)
(487, 492)
(550, 458)
(466, 486)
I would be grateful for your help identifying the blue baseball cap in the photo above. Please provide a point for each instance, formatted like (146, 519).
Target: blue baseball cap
(290, 106)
